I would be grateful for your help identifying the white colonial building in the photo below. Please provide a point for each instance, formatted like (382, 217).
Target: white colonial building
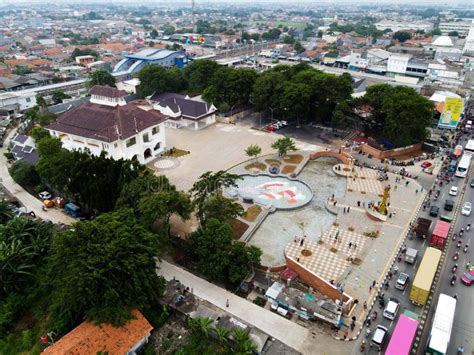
(108, 124)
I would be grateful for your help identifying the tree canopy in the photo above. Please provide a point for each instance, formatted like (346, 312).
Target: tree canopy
(155, 79)
(102, 269)
(284, 145)
(402, 36)
(100, 77)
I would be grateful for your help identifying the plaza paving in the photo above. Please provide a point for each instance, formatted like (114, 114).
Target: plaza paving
(218, 147)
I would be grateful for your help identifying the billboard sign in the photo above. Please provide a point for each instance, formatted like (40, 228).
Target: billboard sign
(451, 113)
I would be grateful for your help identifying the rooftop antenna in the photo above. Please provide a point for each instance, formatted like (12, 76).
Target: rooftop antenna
(193, 15)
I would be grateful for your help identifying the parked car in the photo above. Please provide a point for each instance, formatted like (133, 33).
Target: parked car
(449, 205)
(45, 195)
(379, 337)
(453, 191)
(425, 164)
(402, 281)
(434, 210)
(466, 209)
(468, 278)
(472, 183)
(391, 310)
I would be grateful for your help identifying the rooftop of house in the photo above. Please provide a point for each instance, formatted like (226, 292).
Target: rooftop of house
(88, 338)
(108, 91)
(185, 105)
(106, 123)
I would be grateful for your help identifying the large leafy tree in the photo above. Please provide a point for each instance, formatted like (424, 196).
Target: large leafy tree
(284, 145)
(102, 269)
(219, 257)
(25, 174)
(221, 208)
(267, 91)
(210, 184)
(294, 101)
(200, 74)
(155, 79)
(100, 77)
(253, 150)
(402, 36)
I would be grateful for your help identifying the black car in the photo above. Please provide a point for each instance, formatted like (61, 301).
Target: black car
(472, 183)
(434, 210)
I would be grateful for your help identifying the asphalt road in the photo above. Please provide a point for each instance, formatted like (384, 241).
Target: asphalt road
(463, 330)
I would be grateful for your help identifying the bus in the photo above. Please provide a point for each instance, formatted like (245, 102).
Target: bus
(469, 146)
(402, 336)
(442, 325)
(463, 165)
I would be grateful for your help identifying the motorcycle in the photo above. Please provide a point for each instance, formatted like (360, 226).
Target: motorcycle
(468, 226)
(459, 244)
(465, 248)
(373, 316)
(454, 269)
(367, 333)
(454, 236)
(456, 256)
(453, 280)
(362, 345)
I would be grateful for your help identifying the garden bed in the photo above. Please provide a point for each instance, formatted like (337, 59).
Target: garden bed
(238, 227)
(176, 153)
(273, 162)
(256, 165)
(293, 159)
(288, 169)
(252, 213)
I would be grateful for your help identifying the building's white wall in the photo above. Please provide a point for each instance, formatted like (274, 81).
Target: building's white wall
(397, 64)
(119, 149)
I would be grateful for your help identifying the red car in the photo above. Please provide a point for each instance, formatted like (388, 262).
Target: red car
(425, 164)
(468, 278)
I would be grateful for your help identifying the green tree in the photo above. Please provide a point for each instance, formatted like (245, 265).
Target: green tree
(86, 51)
(100, 77)
(38, 133)
(402, 36)
(102, 269)
(298, 47)
(284, 145)
(199, 74)
(41, 103)
(435, 32)
(46, 118)
(453, 34)
(221, 208)
(154, 33)
(294, 101)
(22, 70)
(210, 184)
(5, 212)
(59, 96)
(155, 79)
(253, 150)
(25, 174)
(267, 91)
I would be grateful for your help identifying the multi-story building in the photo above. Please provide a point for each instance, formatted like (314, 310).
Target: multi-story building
(107, 123)
(132, 63)
(461, 27)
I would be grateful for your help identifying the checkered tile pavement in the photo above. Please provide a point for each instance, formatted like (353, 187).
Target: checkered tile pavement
(321, 262)
(372, 186)
(344, 237)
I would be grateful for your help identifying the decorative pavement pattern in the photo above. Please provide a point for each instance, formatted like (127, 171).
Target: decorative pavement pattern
(319, 260)
(361, 179)
(344, 237)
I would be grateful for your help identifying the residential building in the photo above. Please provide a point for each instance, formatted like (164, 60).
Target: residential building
(90, 338)
(132, 63)
(84, 60)
(15, 102)
(184, 111)
(469, 44)
(108, 123)
(24, 149)
(397, 63)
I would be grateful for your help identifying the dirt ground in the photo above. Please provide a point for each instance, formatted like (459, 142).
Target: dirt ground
(170, 337)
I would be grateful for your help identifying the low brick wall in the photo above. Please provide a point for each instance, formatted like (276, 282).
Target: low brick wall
(319, 284)
(393, 153)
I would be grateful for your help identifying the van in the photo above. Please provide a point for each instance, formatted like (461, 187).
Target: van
(410, 255)
(402, 281)
(449, 205)
(391, 310)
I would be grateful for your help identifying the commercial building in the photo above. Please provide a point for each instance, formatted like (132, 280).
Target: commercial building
(107, 123)
(461, 27)
(132, 63)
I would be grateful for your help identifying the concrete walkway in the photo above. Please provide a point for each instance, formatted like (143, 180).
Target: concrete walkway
(30, 202)
(276, 326)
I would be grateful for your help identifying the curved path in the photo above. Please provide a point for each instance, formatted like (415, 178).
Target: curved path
(29, 201)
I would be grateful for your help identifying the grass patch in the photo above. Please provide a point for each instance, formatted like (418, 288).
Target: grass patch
(259, 301)
(256, 165)
(273, 162)
(176, 153)
(288, 169)
(293, 158)
(252, 213)
(238, 227)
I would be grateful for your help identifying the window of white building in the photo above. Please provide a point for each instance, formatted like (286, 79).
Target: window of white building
(131, 141)
(155, 130)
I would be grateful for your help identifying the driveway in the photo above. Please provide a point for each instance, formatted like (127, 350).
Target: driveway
(218, 147)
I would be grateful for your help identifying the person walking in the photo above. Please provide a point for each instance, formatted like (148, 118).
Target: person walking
(227, 303)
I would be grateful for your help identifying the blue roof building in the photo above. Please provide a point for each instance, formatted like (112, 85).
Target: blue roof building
(132, 63)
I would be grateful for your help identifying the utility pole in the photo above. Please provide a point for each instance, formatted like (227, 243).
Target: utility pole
(193, 16)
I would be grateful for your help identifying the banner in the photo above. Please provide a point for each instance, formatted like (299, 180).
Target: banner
(451, 113)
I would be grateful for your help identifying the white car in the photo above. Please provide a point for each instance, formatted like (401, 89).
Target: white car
(391, 310)
(45, 195)
(453, 191)
(466, 209)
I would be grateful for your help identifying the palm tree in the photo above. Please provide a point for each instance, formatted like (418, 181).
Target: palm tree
(5, 212)
(15, 265)
(243, 344)
(221, 335)
(201, 326)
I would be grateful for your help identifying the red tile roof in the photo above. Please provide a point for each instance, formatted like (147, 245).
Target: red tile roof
(106, 123)
(88, 338)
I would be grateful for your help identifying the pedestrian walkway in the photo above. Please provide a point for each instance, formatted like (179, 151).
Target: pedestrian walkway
(348, 242)
(30, 202)
(273, 324)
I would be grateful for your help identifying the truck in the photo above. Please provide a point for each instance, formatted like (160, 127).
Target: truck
(421, 286)
(440, 234)
(422, 227)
